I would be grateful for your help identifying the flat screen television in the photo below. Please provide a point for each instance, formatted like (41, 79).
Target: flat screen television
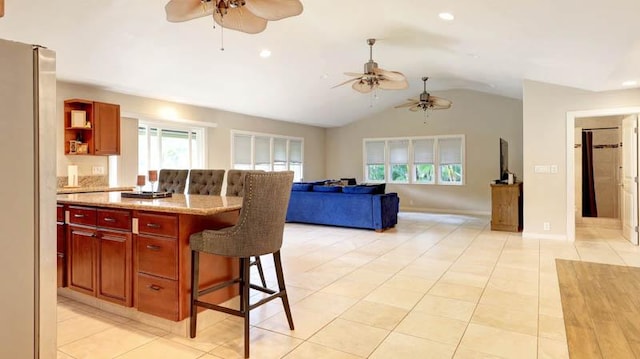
(504, 160)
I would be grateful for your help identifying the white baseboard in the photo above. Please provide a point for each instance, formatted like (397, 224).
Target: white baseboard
(530, 235)
(444, 210)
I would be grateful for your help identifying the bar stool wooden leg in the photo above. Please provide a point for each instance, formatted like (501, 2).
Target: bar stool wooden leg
(245, 282)
(195, 260)
(281, 286)
(258, 264)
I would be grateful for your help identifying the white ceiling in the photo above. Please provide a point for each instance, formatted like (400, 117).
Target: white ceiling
(128, 46)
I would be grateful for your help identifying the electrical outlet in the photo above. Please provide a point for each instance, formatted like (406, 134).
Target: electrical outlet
(546, 226)
(97, 170)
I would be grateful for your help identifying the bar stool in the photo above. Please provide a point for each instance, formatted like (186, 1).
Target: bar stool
(174, 181)
(235, 187)
(208, 182)
(259, 231)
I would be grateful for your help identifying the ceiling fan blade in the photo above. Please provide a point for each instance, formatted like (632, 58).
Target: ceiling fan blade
(241, 19)
(415, 108)
(390, 75)
(274, 9)
(439, 103)
(362, 87)
(183, 10)
(353, 74)
(346, 82)
(408, 104)
(413, 100)
(393, 85)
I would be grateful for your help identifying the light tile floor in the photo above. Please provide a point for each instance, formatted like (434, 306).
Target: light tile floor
(436, 286)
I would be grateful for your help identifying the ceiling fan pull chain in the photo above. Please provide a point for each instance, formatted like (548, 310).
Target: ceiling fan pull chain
(222, 36)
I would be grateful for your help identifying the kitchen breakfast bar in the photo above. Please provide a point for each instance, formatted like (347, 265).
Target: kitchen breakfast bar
(135, 252)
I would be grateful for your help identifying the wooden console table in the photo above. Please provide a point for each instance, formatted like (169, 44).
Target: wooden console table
(506, 207)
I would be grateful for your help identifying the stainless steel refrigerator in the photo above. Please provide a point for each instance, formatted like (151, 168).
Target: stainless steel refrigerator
(27, 201)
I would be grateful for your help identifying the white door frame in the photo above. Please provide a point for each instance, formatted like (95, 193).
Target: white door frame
(571, 174)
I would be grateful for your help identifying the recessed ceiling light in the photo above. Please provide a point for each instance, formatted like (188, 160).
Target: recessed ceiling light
(265, 53)
(630, 83)
(447, 16)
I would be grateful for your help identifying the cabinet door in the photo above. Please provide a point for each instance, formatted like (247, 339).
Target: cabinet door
(61, 249)
(106, 128)
(81, 258)
(114, 267)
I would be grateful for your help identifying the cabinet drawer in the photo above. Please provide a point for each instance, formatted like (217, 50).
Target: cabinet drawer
(114, 218)
(158, 224)
(82, 215)
(157, 296)
(59, 213)
(158, 256)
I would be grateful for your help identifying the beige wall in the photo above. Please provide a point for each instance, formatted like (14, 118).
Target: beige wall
(481, 117)
(545, 109)
(218, 138)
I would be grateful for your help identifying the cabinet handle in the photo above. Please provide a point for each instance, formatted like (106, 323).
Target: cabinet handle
(108, 219)
(153, 247)
(153, 225)
(155, 287)
(78, 215)
(86, 234)
(61, 255)
(112, 238)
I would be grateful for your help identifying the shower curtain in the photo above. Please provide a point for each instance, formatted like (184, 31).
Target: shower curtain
(589, 208)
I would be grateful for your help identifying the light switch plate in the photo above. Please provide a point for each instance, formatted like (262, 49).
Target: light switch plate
(541, 169)
(97, 170)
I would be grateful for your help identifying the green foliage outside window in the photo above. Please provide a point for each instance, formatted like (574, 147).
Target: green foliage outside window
(375, 172)
(451, 173)
(425, 173)
(400, 173)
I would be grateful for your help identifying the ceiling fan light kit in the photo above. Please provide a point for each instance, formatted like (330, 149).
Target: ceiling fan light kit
(374, 77)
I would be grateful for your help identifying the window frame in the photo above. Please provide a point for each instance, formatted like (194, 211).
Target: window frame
(412, 165)
(272, 163)
(200, 147)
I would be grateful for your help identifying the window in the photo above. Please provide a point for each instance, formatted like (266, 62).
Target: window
(375, 160)
(399, 160)
(421, 160)
(267, 153)
(169, 147)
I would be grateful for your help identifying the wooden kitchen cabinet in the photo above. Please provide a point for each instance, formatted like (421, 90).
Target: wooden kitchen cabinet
(506, 207)
(98, 134)
(100, 253)
(61, 246)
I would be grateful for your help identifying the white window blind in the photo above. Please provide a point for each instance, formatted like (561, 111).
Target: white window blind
(279, 150)
(242, 150)
(295, 151)
(399, 151)
(423, 151)
(450, 150)
(263, 150)
(375, 152)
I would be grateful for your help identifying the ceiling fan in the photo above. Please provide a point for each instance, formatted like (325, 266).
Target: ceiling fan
(426, 101)
(375, 77)
(250, 16)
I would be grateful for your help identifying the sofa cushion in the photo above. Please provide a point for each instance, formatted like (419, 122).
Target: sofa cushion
(359, 189)
(318, 188)
(302, 186)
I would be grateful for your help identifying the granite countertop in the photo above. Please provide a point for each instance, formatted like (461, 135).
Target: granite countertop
(92, 189)
(179, 203)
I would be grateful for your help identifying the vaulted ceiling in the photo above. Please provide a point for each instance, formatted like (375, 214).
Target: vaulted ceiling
(491, 46)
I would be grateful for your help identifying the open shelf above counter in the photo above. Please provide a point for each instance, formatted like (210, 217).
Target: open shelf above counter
(91, 128)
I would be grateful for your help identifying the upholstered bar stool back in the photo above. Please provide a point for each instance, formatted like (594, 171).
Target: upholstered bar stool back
(173, 181)
(259, 231)
(208, 182)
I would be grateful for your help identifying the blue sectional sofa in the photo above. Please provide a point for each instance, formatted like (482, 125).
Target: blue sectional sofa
(346, 206)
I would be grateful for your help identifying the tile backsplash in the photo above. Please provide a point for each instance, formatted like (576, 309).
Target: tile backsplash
(86, 181)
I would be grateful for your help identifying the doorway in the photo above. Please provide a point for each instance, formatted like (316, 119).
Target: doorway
(598, 175)
(605, 142)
